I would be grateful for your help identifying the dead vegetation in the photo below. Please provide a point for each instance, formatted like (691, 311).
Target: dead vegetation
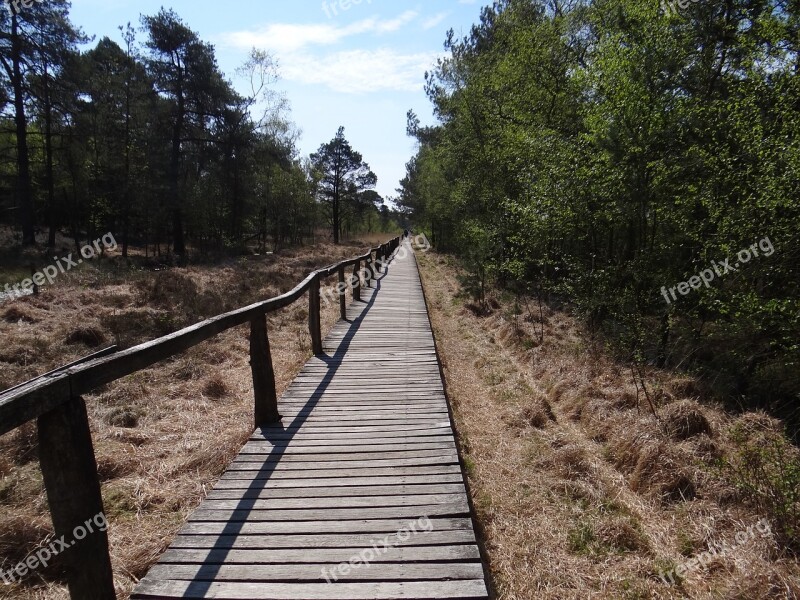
(161, 436)
(585, 491)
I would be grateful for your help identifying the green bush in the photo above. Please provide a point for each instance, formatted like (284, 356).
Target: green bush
(765, 468)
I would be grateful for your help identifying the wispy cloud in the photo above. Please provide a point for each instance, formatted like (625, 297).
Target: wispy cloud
(396, 23)
(435, 20)
(315, 53)
(360, 71)
(285, 37)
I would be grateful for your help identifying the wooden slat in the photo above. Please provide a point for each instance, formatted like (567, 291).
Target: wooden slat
(284, 556)
(277, 528)
(314, 572)
(427, 590)
(352, 541)
(459, 508)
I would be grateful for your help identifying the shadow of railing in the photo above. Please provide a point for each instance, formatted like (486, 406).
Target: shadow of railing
(281, 437)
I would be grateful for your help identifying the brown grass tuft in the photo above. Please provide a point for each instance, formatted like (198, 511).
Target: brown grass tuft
(88, 335)
(21, 445)
(685, 419)
(660, 474)
(619, 534)
(19, 536)
(18, 313)
(539, 414)
(571, 462)
(112, 467)
(685, 387)
(126, 417)
(215, 387)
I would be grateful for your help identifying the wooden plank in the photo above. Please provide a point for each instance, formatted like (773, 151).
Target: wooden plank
(352, 428)
(70, 477)
(343, 491)
(330, 484)
(314, 572)
(332, 502)
(324, 555)
(300, 471)
(266, 399)
(352, 456)
(347, 440)
(312, 437)
(279, 528)
(350, 465)
(427, 590)
(458, 509)
(359, 541)
(353, 447)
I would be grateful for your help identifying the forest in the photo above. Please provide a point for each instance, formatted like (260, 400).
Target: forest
(149, 139)
(638, 161)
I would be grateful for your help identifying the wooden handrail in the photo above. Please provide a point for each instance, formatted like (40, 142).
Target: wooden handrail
(38, 396)
(66, 453)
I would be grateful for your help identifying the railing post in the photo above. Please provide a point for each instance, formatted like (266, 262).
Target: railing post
(370, 270)
(266, 398)
(357, 281)
(314, 322)
(69, 470)
(342, 294)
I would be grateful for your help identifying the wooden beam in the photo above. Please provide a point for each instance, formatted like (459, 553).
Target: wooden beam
(70, 477)
(357, 281)
(314, 320)
(342, 294)
(266, 397)
(38, 396)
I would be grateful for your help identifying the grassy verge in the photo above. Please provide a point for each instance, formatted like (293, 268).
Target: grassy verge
(584, 491)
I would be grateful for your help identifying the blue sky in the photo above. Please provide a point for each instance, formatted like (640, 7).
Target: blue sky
(359, 64)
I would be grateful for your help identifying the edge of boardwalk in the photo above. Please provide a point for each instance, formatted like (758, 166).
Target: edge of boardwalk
(479, 532)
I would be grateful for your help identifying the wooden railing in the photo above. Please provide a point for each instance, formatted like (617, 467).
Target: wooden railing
(66, 453)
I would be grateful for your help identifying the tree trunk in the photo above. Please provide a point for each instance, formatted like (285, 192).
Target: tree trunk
(25, 188)
(48, 148)
(336, 221)
(178, 243)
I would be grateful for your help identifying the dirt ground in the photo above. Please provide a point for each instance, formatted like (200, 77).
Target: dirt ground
(164, 435)
(581, 489)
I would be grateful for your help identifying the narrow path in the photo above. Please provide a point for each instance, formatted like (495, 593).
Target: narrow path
(358, 494)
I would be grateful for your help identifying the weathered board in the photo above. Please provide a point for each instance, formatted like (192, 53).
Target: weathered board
(358, 493)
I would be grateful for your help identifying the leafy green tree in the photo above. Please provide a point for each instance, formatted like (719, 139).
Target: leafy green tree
(609, 150)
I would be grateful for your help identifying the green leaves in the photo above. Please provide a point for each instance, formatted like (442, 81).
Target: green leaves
(609, 150)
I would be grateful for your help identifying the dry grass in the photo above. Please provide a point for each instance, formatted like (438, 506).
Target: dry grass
(580, 491)
(164, 435)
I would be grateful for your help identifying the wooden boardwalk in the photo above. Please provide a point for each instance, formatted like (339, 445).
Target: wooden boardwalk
(358, 494)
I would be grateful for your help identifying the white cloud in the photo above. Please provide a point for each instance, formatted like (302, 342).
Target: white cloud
(395, 24)
(434, 20)
(285, 37)
(298, 48)
(360, 71)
